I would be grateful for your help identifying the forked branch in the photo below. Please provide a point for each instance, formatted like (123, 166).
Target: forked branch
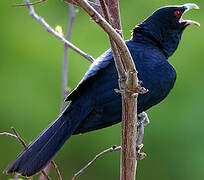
(21, 141)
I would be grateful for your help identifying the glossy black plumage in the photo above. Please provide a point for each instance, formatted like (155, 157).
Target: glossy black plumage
(95, 104)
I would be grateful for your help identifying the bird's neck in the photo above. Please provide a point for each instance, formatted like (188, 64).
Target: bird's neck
(162, 38)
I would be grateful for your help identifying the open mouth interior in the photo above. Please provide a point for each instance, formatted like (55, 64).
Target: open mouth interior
(189, 22)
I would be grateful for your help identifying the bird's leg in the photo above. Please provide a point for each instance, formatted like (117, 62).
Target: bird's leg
(143, 121)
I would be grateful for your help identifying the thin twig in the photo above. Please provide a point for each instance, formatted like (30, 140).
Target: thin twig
(21, 141)
(45, 175)
(144, 121)
(129, 64)
(57, 170)
(8, 134)
(72, 13)
(64, 79)
(45, 172)
(96, 6)
(56, 34)
(116, 53)
(28, 4)
(112, 149)
(114, 10)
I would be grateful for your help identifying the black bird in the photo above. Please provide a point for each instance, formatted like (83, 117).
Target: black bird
(95, 104)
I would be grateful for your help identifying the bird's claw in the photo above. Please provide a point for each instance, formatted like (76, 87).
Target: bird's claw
(119, 91)
(140, 155)
(143, 119)
(140, 89)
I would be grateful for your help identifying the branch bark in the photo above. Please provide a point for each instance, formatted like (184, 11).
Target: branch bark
(129, 86)
(116, 52)
(129, 102)
(128, 63)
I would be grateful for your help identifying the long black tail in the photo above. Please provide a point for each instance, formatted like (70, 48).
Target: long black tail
(38, 154)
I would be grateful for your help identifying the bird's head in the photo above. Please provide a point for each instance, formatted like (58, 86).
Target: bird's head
(166, 26)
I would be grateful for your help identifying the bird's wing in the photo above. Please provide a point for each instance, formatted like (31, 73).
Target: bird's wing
(100, 63)
(155, 72)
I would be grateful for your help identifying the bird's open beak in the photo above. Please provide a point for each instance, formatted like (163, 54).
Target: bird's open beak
(188, 7)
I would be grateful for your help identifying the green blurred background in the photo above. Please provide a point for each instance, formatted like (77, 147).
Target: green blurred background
(30, 92)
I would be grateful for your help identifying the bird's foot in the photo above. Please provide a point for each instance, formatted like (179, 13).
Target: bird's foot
(140, 155)
(143, 121)
(140, 89)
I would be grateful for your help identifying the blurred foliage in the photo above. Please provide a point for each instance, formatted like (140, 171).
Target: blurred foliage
(30, 92)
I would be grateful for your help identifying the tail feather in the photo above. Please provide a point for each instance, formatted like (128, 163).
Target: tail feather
(38, 154)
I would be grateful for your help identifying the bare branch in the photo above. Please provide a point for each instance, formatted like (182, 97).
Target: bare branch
(98, 156)
(129, 64)
(9, 135)
(96, 6)
(57, 170)
(143, 122)
(56, 34)
(45, 172)
(126, 69)
(114, 10)
(29, 4)
(21, 141)
(116, 53)
(16, 136)
(129, 87)
(45, 175)
(72, 13)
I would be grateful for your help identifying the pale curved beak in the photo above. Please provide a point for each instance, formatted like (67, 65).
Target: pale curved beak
(188, 7)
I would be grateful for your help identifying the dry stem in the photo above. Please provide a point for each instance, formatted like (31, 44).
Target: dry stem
(72, 13)
(21, 141)
(57, 170)
(98, 156)
(130, 88)
(144, 121)
(29, 4)
(94, 5)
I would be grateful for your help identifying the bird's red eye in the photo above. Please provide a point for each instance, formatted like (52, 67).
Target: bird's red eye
(177, 13)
